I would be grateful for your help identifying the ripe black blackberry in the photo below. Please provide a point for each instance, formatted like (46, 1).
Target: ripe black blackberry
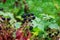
(33, 17)
(29, 19)
(8, 19)
(58, 31)
(24, 15)
(56, 34)
(28, 14)
(31, 28)
(50, 35)
(3, 18)
(25, 19)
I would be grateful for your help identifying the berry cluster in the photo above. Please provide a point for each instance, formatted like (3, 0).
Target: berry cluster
(28, 17)
(52, 34)
(27, 34)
